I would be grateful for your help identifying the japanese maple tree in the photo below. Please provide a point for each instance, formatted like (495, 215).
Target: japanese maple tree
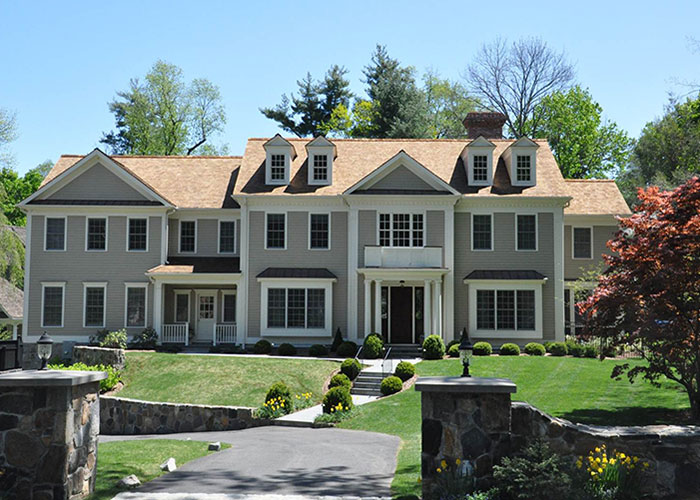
(649, 296)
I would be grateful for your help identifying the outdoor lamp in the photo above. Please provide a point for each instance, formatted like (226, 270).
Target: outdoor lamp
(44, 347)
(465, 353)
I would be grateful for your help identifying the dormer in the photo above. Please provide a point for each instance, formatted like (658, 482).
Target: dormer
(477, 157)
(320, 153)
(278, 163)
(521, 160)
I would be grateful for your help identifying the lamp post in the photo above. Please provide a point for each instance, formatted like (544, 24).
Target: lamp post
(44, 346)
(465, 353)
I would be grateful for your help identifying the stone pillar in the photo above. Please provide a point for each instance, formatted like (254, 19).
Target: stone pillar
(367, 328)
(427, 324)
(465, 418)
(378, 306)
(49, 426)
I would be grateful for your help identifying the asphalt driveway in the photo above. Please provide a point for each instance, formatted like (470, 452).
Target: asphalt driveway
(284, 460)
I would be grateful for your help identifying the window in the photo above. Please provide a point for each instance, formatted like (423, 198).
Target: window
(296, 308)
(136, 305)
(94, 298)
(188, 236)
(505, 299)
(55, 235)
(277, 167)
(485, 310)
(526, 232)
(320, 168)
(276, 234)
(276, 307)
(526, 309)
(138, 235)
(227, 236)
(228, 314)
(582, 242)
(505, 309)
(96, 234)
(481, 232)
(401, 230)
(319, 229)
(182, 307)
(480, 168)
(52, 305)
(523, 170)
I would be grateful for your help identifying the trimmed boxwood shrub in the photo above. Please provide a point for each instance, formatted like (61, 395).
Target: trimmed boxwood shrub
(281, 392)
(548, 346)
(534, 349)
(373, 346)
(405, 370)
(558, 349)
(509, 349)
(453, 351)
(391, 385)
(482, 349)
(340, 380)
(590, 351)
(318, 350)
(347, 349)
(262, 347)
(576, 350)
(286, 350)
(351, 367)
(337, 396)
(433, 347)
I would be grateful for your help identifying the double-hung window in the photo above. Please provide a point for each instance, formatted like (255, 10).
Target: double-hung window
(319, 231)
(505, 310)
(480, 168)
(227, 236)
(582, 242)
(523, 168)
(526, 237)
(182, 307)
(138, 235)
(482, 232)
(96, 234)
(52, 304)
(401, 230)
(228, 313)
(94, 295)
(320, 169)
(276, 231)
(277, 167)
(55, 234)
(188, 236)
(136, 305)
(299, 308)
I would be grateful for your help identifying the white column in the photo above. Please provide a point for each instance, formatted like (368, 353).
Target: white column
(427, 324)
(368, 307)
(448, 303)
(240, 313)
(158, 308)
(14, 331)
(436, 307)
(377, 307)
(242, 293)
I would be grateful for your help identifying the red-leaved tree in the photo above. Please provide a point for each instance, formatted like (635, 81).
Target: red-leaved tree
(649, 296)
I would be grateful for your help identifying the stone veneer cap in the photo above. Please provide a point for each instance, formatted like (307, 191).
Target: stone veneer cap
(49, 378)
(474, 385)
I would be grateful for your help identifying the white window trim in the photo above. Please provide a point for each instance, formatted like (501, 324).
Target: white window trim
(218, 237)
(187, 293)
(286, 230)
(514, 167)
(508, 334)
(225, 293)
(329, 231)
(179, 236)
(51, 284)
(106, 219)
(277, 150)
(266, 284)
(329, 169)
(537, 233)
(392, 212)
(103, 285)
(471, 235)
(126, 303)
(65, 233)
(148, 231)
(483, 151)
(573, 248)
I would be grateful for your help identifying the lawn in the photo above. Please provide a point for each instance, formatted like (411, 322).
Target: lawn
(218, 380)
(577, 389)
(143, 458)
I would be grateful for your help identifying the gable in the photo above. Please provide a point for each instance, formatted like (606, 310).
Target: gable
(97, 183)
(400, 178)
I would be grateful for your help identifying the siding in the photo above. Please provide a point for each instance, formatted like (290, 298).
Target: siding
(207, 238)
(573, 269)
(401, 178)
(97, 183)
(367, 233)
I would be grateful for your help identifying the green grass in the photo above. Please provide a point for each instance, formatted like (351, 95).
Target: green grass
(580, 390)
(141, 457)
(218, 380)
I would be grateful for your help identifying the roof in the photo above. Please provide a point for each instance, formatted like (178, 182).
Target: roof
(595, 197)
(11, 299)
(186, 181)
(138, 203)
(201, 265)
(298, 272)
(504, 275)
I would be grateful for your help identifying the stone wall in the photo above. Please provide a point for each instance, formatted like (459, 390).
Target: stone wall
(131, 416)
(99, 356)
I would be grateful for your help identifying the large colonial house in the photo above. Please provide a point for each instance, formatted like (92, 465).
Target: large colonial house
(300, 237)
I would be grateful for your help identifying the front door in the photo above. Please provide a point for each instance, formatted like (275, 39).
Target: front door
(401, 317)
(206, 316)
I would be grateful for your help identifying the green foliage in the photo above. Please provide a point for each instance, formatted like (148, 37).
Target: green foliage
(433, 347)
(558, 349)
(574, 349)
(453, 351)
(337, 399)
(548, 346)
(453, 481)
(534, 349)
(340, 380)
(448, 103)
(482, 349)
(590, 351)
(337, 340)
(147, 339)
(279, 395)
(113, 375)
(373, 346)
(335, 416)
(405, 370)
(114, 340)
(347, 349)
(391, 385)
(509, 349)
(351, 367)
(18, 188)
(318, 350)
(8, 133)
(11, 256)
(262, 346)
(286, 350)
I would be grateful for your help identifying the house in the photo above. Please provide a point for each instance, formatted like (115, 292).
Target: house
(299, 237)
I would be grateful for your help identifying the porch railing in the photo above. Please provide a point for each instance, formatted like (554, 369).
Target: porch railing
(177, 333)
(225, 333)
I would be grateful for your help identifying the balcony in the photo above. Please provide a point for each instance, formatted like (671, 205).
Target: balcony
(403, 257)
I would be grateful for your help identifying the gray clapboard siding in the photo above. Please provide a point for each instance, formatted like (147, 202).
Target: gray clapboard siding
(97, 183)
(401, 178)
(573, 269)
(207, 238)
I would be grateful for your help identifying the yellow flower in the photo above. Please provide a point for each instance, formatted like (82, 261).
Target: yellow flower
(597, 459)
(600, 471)
(597, 450)
(622, 456)
(579, 464)
(645, 464)
(458, 462)
(592, 473)
(443, 464)
(439, 470)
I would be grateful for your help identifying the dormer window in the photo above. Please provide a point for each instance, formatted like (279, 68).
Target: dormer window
(321, 152)
(277, 167)
(278, 163)
(521, 160)
(477, 157)
(523, 168)
(481, 169)
(320, 167)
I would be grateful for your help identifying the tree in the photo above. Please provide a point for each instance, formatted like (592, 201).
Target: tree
(164, 115)
(514, 78)
(448, 104)
(16, 189)
(585, 145)
(649, 297)
(8, 133)
(311, 112)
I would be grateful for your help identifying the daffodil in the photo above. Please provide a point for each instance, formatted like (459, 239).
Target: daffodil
(443, 464)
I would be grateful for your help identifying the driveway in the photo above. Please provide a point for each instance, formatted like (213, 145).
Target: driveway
(284, 460)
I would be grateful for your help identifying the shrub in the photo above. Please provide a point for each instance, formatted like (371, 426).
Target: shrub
(405, 370)
(373, 346)
(147, 339)
(576, 350)
(590, 351)
(548, 346)
(347, 349)
(286, 350)
(334, 417)
(340, 380)
(451, 343)
(351, 368)
(113, 375)
(433, 347)
(114, 340)
(318, 350)
(453, 351)
(98, 337)
(337, 340)
(482, 349)
(558, 349)
(281, 395)
(534, 349)
(509, 349)
(391, 385)
(262, 347)
(337, 399)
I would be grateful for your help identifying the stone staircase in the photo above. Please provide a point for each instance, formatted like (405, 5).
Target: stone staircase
(405, 351)
(368, 384)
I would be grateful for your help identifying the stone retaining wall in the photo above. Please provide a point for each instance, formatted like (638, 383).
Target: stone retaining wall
(131, 416)
(99, 356)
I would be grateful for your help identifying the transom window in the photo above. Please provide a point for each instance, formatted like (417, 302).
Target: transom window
(480, 167)
(188, 236)
(583, 243)
(52, 314)
(228, 314)
(401, 230)
(296, 308)
(320, 166)
(227, 236)
(277, 167)
(136, 306)
(55, 237)
(481, 232)
(527, 232)
(276, 231)
(319, 227)
(523, 168)
(138, 235)
(505, 309)
(96, 234)
(95, 306)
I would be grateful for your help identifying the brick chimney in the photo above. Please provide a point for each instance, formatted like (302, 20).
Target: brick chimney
(488, 124)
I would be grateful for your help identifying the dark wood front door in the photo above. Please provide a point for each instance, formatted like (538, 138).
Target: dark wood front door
(401, 315)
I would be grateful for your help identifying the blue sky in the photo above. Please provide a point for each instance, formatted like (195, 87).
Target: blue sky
(63, 61)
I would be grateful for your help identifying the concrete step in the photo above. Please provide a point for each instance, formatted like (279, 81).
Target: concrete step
(370, 376)
(367, 385)
(366, 392)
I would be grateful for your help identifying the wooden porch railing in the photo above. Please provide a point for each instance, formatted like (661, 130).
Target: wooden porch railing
(178, 333)
(225, 333)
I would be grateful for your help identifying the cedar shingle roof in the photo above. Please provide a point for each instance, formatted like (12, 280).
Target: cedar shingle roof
(11, 299)
(595, 197)
(198, 265)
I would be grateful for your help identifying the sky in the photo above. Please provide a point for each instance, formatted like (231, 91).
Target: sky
(62, 62)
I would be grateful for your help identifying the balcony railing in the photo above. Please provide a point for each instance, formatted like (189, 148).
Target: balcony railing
(177, 333)
(225, 333)
(376, 256)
